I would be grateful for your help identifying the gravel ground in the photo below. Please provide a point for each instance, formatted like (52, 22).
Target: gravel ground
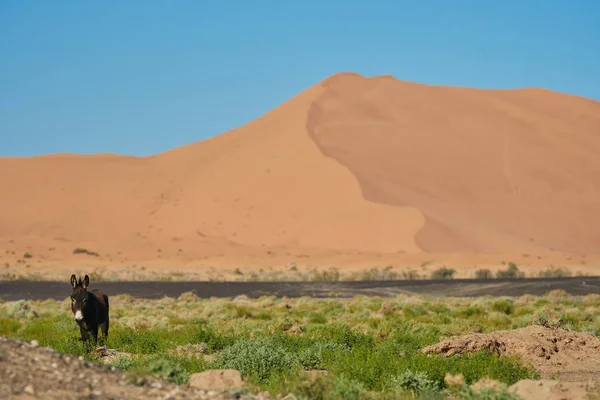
(577, 286)
(28, 371)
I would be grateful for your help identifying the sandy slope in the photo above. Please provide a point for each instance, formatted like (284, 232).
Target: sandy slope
(349, 171)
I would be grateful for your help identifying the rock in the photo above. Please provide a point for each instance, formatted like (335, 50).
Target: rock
(454, 380)
(547, 389)
(485, 383)
(34, 343)
(295, 329)
(217, 379)
(29, 389)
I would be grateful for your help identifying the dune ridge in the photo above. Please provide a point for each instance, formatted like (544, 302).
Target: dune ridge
(351, 166)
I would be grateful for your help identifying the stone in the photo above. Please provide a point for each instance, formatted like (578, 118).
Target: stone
(29, 389)
(217, 379)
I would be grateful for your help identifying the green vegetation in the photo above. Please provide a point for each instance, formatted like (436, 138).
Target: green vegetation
(369, 346)
(555, 272)
(483, 274)
(85, 251)
(443, 273)
(511, 272)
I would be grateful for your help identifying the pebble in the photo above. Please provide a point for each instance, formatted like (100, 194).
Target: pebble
(29, 389)
(35, 343)
(80, 358)
(172, 394)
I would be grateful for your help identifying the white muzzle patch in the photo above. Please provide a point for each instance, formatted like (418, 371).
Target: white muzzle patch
(78, 316)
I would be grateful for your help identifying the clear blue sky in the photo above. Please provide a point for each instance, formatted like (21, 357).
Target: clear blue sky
(140, 77)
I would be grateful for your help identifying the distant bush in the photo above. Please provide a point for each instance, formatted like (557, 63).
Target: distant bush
(511, 272)
(331, 275)
(375, 275)
(555, 272)
(443, 273)
(27, 255)
(410, 275)
(483, 274)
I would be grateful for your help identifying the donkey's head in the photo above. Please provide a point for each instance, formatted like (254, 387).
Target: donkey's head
(79, 297)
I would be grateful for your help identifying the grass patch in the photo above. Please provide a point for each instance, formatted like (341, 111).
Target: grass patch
(369, 346)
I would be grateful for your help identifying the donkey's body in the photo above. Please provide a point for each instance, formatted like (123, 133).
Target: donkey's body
(90, 309)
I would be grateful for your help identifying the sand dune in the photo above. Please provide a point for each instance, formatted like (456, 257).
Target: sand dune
(352, 164)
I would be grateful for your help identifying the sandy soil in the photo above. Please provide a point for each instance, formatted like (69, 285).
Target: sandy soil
(552, 351)
(30, 372)
(246, 263)
(353, 173)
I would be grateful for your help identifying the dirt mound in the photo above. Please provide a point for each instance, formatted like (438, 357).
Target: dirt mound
(29, 372)
(551, 351)
(217, 379)
(554, 390)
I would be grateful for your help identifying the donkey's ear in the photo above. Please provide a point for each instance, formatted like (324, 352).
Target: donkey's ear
(73, 280)
(86, 282)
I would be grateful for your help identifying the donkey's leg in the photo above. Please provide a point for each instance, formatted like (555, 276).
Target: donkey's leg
(104, 327)
(94, 333)
(84, 334)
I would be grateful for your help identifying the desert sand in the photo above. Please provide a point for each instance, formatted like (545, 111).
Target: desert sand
(352, 173)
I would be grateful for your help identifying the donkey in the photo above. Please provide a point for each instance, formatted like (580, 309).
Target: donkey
(90, 309)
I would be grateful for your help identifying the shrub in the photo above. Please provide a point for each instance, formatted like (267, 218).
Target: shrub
(347, 388)
(483, 274)
(414, 382)
(511, 272)
(443, 273)
(123, 362)
(258, 358)
(167, 369)
(487, 393)
(554, 272)
(504, 306)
